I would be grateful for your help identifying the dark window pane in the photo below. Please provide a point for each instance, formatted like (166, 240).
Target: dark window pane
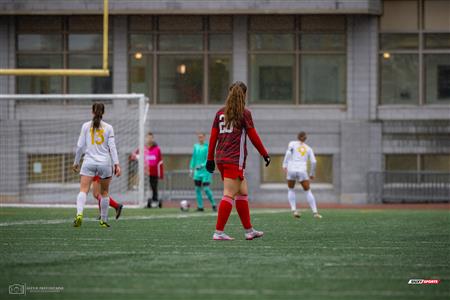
(141, 74)
(437, 78)
(219, 77)
(266, 41)
(436, 162)
(95, 85)
(180, 79)
(221, 23)
(181, 42)
(36, 84)
(85, 42)
(437, 40)
(399, 78)
(45, 168)
(401, 162)
(38, 23)
(392, 41)
(87, 23)
(272, 22)
(323, 79)
(321, 23)
(272, 78)
(39, 42)
(141, 42)
(180, 23)
(274, 173)
(220, 42)
(331, 42)
(141, 23)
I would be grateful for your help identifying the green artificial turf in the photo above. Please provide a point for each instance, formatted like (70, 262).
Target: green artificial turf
(156, 254)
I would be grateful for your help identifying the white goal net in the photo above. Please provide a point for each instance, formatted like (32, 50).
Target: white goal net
(38, 141)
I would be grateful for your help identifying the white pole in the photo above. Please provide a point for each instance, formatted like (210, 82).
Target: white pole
(141, 191)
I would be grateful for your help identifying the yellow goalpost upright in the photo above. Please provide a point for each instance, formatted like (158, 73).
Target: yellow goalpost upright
(104, 72)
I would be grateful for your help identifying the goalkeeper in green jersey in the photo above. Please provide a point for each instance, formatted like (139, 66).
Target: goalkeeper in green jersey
(202, 178)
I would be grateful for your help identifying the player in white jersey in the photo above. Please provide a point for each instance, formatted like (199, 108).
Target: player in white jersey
(97, 143)
(295, 165)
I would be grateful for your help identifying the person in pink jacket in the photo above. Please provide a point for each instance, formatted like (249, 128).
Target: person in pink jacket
(153, 167)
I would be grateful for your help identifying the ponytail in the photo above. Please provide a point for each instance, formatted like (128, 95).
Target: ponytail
(98, 109)
(235, 104)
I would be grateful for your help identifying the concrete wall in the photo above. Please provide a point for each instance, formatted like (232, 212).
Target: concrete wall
(191, 6)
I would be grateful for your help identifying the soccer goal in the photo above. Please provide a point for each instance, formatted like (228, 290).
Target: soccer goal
(38, 141)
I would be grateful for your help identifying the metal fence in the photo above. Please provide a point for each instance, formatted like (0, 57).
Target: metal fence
(178, 185)
(403, 187)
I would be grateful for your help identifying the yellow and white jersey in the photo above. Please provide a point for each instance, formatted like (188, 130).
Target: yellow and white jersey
(98, 145)
(297, 156)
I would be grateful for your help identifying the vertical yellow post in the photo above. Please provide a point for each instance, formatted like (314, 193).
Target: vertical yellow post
(105, 34)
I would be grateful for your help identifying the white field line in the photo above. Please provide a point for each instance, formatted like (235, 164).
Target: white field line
(30, 205)
(154, 217)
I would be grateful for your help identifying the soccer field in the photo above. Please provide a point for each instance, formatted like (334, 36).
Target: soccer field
(161, 254)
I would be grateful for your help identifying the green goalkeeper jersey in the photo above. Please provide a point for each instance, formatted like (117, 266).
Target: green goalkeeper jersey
(198, 162)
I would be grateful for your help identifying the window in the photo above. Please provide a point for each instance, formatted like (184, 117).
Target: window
(176, 162)
(51, 168)
(405, 41)
(185, 54)
(274, 173)
(297, 60)
(60, 42)
(417, 162)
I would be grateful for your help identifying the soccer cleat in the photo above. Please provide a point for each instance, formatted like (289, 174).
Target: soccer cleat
(253, 234)
(222, 237)
(78, 220)
(200, 209)
(214, 208)
(296, 215)
(119, 211)
(104, 224)
(317, 216)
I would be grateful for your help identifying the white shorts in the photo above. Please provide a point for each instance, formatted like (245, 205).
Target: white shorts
(297, 176)
(91, 170)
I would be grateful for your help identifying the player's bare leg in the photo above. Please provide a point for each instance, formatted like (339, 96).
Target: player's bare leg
(310, 197)
(85, 183)
(291, 198)
(104, 203)
(96, 194)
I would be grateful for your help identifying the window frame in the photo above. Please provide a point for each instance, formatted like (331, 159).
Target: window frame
(421, 51)
(153, 85)
(297, 52)
(64, 31)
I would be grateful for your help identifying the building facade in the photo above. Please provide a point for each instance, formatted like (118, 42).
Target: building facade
(369, 80)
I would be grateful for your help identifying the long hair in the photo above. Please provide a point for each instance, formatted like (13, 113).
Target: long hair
(98, 109)
(235, 104)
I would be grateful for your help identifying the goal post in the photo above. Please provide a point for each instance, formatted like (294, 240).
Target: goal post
(38, 143)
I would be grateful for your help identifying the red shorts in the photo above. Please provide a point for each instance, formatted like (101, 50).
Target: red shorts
(230, 171)
(96, 178)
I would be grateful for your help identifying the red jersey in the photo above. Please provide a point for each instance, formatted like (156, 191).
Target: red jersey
(232, 142)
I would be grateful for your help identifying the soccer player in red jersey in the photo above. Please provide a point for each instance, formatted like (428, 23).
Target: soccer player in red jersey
(228, 141)
(96, 193)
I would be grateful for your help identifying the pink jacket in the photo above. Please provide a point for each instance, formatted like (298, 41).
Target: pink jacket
(153, 160)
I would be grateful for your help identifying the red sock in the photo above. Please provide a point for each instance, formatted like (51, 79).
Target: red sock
(225, 207)
(113, 203)
(243, 211)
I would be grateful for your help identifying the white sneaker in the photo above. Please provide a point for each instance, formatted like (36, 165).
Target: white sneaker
(317, 216)
(222, 237)
(253, 234)
(296, 214)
